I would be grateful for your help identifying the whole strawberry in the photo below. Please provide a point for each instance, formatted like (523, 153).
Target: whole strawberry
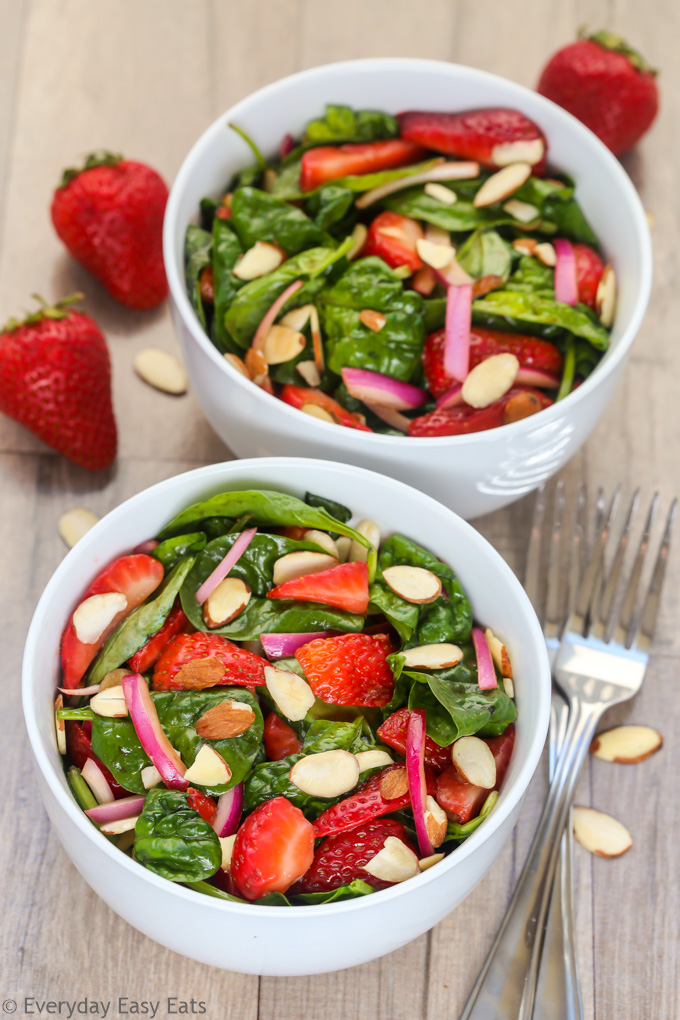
(55, 378)
(110, 217)
(607, 85)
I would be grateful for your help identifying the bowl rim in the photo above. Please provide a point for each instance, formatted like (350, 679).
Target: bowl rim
(220, 473)
(400, 65)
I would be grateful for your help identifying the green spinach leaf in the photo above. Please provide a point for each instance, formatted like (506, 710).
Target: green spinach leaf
(197, 255)
(277, 616)
(343, 124)
(330, 205)
(456, 709)
(486, 253)
(460, 832)
(259, 216)
(172, 550)
(507, 306)
(335, 509)
(460, 217)
(172, 840)
(225, 253)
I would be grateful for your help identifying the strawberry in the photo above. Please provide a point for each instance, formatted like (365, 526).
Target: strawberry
(518, 402)
(110, 217)
(393, 733)
(344, 586)
(367, 802)
(201, 802)
(302, 396)
(492, 137)
(55, 378)
(148, 655)
(393, 238)
(606, 84)
(242, 668)
(329, 162)
(79, 749)
(280, 739)
(351, 669)
(589, 270)
(273, 848)
(463, 801)
(135, 576)
(341, 858)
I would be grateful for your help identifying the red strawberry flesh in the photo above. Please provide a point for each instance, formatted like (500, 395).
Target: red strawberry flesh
(344, 586)
(241, 667)
(350, 669)
(341, 858)
(274, 847)
(329, 162)
(473, 134)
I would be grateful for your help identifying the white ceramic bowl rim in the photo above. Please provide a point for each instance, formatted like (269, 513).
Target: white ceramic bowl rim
(397, 65)
(88, 831)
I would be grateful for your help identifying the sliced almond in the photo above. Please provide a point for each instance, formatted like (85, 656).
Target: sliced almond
(60, 725)
(291, 693)
(228, 719)
(525, 245)
(318, 412)
(299, 564)
(371, 319)
(397, 232)
(227, 847)
(414, 584)
(427, 862)
(75, 523)
(93, 616)
(373, 759)
(440, 656)
(605, 297)
(424, 280)
(499, 653)
(297, 318)
(488, 381)
(110, 703)
(484, 284)
(522, 211)
(394, 784)
(114, 678)
(150, 777)
(436, 822)
(522, 151)
(546, 254)
(475, 762)
(326, 774)
(437, 235)
(256, 365)
(502, 184)
(200, 673)
(309, 372)
(371, 531)
(358, 235)
(209, 768)
(396, 862)
(509, 685)
(237, 363)
(627, 745)
(436, 255)
(599, 833)
(120, 825)
(161, 370)
(259, 260)
(229, 599)
(440, 193)
(344, 544)
(281, 344)
(519, 406)
(323, 539)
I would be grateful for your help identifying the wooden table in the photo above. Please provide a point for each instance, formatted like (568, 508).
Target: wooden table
(146, 77)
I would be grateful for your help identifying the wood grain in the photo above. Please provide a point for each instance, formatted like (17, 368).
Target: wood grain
(146, 78)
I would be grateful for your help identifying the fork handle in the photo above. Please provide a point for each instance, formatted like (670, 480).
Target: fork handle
(506, 986)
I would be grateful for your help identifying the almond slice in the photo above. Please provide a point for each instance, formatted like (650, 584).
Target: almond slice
(209, 768)
(297, 318)
(228, 719)
(344, 544)
(509, 685)
(114, 678)
(488, 381)
(475, 762)
(118, 826)
(440, 193)
(323, 539)
(605, 297)
(237, 363)
(519, 406)
(373, 759)
(75, 523)
(200, 673)
(372, 319)
(309, 372)
(229, 599)
(259, 260)
(150, 777)
(227, 847)
(436, 822)
(525, 245)
(299, 564)
(502, 184)
(394, 784)
(94, 615)
(358, 235)
(440, 656)
(530, 151)
(626, 745)
(599, 833)
(60, 726)
(281, 344)
(256, 365)
(499, 653)
(161, 370)
(318, 412)
(437, 235)
(396, 862)
(427, 862)
(110, 703)
(522, 211)
(371, 531)
(291, 694)
(436, 255)
(397, 232)
(546, 254)
(414, 584)
(326, 774)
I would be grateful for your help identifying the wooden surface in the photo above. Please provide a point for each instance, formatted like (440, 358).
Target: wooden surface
(146, 77)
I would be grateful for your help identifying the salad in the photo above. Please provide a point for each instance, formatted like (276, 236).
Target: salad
(267, 704)
(427, 274)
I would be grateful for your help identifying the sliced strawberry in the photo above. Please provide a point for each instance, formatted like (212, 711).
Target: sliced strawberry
(341, 858)
(135, 577)
(463, 419)
(280, 739)
(463, 801)
(393, 733)
(344, 586)
(201, 802)
(350, 669)
(79, 749)
(273, 848)
(148, 655)
(393, 238)
(476, 134)
(329, 162)
(367, 802)
(589, 270)
(243, 668)
(299, 396)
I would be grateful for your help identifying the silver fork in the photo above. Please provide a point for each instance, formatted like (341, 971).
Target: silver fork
(601, 662)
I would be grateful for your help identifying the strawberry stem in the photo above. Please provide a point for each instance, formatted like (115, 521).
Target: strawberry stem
(59, 310)
(617, 44)
(100, 158)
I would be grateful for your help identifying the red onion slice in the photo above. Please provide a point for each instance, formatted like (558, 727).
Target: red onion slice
(457, 331)
(395, 419)
(229, 808)
(486, 674)
(415, 772)
(281, 646)
(376, 388)
(150, 732)
(223, 568)
(536, 377)
(126, 807)
(270, 316)
(96, 780)
(146, 547)
(452, 397)
(77, 692)
(566, 283)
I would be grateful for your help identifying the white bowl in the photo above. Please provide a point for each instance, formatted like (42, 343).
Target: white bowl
(472, 474)
(279, 940)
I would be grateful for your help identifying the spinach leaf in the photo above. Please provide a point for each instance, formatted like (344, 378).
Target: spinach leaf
(225, 252)
(272, 616)
(532, 277)
(328, 735)
(459, 217)
(142, 623)
(172, 840)
(435, 313)
(259, 216)
(344, 892)
(343, 124)
(197, 255)
(212, 890)
(507, 306)
(286, 182)
(208, 207)
(116, 744)
(402, 615)
(486, 253)
(558, 208)
(172, 550)
(330, 205)
(460, 832)
(455, 709)
(337, 510)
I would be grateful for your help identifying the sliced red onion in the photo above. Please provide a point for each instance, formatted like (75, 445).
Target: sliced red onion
(415, 772)
(486, 674)
(566, 283)
(270, 317)
(96, 780)
(77, 692)
(376, 388)
(150, 732)
(281, 646)
(222, 569)
(440, 171)
(146, 547)
(126, 807)
(536, 377)
(457, 331)
(287, 145)
(229, 808)
(393, 418)
(452, 397)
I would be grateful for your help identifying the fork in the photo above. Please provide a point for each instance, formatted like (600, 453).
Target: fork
(601, 662)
